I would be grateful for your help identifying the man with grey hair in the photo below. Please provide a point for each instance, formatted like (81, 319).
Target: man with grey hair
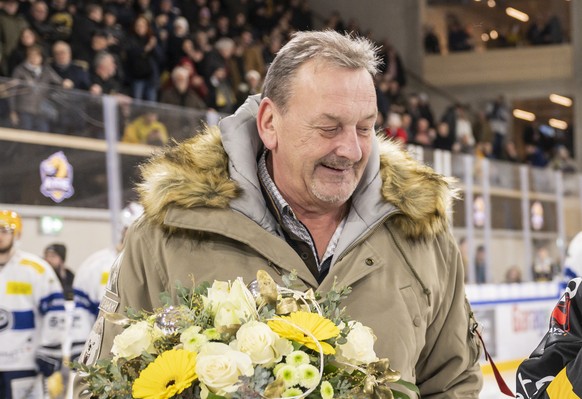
(296, 180)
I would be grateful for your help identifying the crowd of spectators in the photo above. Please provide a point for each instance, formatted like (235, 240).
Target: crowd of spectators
(210, 55)
(545, 28)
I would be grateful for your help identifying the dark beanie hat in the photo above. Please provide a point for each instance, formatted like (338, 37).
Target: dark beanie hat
(59, 249)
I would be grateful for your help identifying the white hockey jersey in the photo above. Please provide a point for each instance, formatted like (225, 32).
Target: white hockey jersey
(89, 287)
(32, 312)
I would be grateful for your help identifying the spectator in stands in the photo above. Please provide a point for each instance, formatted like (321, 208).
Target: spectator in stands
(459, 38)
(424, 135)
(221, 96)
(113, 30)
(103, 78)
(513, 275)
(181, 92)
(86, 22)
(273, 45)
(480, 265)
(431, 41)
(56, 255)
(11, 24)
(33, 110)
(75, 72)
(223, 57)
(179, 43)
(61, 18)
(143, 61)
(464, 140)
(552, 32)
(38, 20)
(166, 14)
(66, 68)
(443, 140)
(498, 115)
(252, 85)
(394, 129)
(143, 8)
(27, 39)
(146, 129)
(251, 53)
(544, 268)
(396, 98)
(562, 160)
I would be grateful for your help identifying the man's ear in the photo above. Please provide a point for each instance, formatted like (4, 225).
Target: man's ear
(266, 120)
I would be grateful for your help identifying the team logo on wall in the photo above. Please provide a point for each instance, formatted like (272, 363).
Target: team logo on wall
(5, 320)
(56, 175)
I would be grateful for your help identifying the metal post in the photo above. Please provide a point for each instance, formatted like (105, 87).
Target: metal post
(470, 230)
(110, 121)
(528, 248)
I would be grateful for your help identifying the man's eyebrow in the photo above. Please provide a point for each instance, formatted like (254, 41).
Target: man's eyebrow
(334, 118)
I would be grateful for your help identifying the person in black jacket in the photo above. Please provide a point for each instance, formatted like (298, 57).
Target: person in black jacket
(553, 370)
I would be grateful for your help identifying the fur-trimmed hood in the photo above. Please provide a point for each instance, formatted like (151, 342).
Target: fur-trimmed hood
(199, 172)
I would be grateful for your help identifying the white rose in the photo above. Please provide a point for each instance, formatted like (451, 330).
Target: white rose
(219, 367)
(134, 340)
(231, 303)
(258, 341)
(360, 346)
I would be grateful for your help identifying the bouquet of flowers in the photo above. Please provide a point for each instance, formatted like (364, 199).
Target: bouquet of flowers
(232, 341)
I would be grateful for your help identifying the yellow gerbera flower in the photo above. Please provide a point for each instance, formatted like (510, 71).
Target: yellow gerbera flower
(321, 328)
(168, 375)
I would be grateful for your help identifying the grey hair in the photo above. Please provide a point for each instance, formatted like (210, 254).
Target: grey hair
(328, 46)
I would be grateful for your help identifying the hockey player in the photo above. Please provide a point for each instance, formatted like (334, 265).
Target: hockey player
(554, 369)
(91, 280)
(32, 316)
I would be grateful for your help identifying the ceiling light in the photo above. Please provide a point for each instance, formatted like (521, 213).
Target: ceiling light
(491, 3)
(561, 100)
(558, 124)
(525, 115)
(494, 35)
(520, 15)
(485, 37)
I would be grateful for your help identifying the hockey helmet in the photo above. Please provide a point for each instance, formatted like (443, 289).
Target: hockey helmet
(10, 220)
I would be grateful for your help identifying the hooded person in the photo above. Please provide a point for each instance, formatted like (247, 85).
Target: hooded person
(297, 181)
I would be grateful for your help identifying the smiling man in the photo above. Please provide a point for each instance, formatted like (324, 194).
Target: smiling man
(296, 180)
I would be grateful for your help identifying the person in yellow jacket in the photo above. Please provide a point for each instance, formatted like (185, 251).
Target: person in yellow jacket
(146, 129)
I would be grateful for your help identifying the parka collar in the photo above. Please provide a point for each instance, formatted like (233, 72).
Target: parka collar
(217, 169)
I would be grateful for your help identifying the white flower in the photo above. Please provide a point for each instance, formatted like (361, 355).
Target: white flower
(258, 341)
(134, 340)
(308, 376)
(219, 367)
(360, 346)
(231, 303)
(288, 374)
(326, 390)
(192, 339)
(297, 358)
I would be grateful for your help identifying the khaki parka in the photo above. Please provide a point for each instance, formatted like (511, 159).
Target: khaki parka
(205, 217)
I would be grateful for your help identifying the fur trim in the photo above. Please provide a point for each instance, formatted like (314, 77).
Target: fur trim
(195, 173)
(190, 174)
(422, 195)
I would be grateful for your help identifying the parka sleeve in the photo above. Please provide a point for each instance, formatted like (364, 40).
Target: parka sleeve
(553, 370)
(448, 366)
(134, 282)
